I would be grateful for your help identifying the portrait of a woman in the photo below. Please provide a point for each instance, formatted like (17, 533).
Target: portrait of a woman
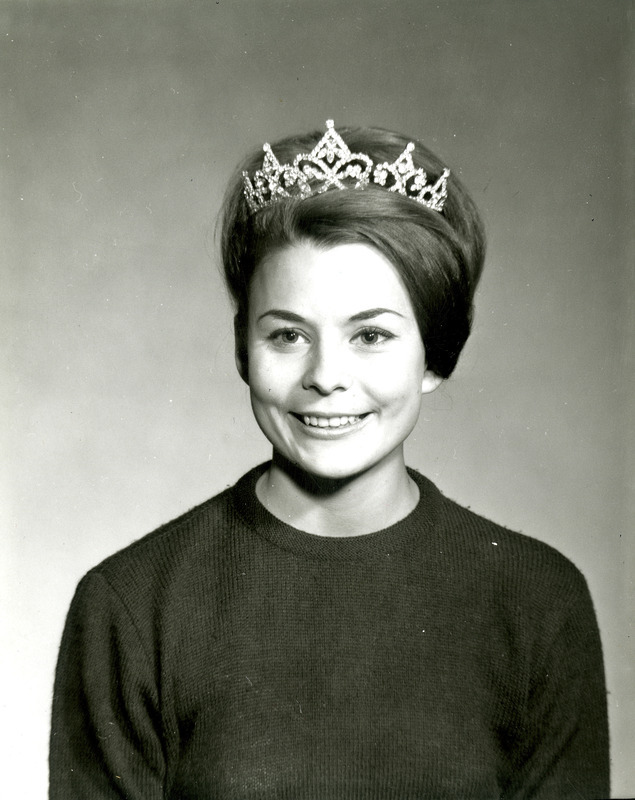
(332, 625)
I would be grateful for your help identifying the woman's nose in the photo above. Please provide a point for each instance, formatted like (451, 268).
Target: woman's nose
(327, 369)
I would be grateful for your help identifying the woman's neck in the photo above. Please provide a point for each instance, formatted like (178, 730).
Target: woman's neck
(367, 502)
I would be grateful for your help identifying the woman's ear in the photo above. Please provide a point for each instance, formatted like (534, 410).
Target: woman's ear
(240, 348)
(430, 382)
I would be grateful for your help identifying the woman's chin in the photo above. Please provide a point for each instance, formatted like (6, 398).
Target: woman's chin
(317, 469)
(327, 470)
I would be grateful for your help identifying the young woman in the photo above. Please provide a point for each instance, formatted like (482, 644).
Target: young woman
(332, 626)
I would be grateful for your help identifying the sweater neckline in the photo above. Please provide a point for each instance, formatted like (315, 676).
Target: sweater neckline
(417, 524)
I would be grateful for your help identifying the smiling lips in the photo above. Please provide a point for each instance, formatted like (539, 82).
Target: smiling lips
(329, 422)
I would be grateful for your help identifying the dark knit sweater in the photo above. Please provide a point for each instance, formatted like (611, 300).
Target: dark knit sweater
(228, 655)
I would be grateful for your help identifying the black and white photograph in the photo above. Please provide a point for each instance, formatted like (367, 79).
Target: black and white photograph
(318, 387)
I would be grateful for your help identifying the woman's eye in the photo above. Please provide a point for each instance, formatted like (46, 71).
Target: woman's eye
(286, 336)
(372, 336)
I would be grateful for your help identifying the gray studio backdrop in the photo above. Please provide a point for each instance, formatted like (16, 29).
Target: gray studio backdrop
(120, 124)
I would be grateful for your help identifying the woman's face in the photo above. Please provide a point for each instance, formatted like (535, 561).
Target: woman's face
(336, 361)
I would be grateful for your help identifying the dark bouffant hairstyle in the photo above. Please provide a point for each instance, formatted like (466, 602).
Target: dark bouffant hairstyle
(439, 256)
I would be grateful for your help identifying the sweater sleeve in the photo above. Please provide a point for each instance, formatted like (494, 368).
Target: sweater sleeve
(566, 753)
(106, 730)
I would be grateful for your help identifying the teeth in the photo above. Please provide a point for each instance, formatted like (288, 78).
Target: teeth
(329, 422)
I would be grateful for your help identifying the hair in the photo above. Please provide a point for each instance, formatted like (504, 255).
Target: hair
(438, 255)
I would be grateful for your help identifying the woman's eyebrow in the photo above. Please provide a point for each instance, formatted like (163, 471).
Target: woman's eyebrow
(282, 314)
(373, 312)
(290, 316)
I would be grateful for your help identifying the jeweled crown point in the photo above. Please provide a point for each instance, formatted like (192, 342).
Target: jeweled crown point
(332, 165)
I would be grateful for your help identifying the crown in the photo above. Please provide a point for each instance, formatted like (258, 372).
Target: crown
(332, 165)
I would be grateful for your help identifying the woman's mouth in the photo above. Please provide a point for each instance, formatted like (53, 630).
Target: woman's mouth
(336, 421)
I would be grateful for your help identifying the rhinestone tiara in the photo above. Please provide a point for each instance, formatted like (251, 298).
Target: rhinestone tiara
(329, 164)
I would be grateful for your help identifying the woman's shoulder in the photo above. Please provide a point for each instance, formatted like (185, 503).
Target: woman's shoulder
(508, 543)
(172, 554)
(489, 552)
(187, 532)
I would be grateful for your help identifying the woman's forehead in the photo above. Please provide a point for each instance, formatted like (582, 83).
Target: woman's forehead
(345, 279)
